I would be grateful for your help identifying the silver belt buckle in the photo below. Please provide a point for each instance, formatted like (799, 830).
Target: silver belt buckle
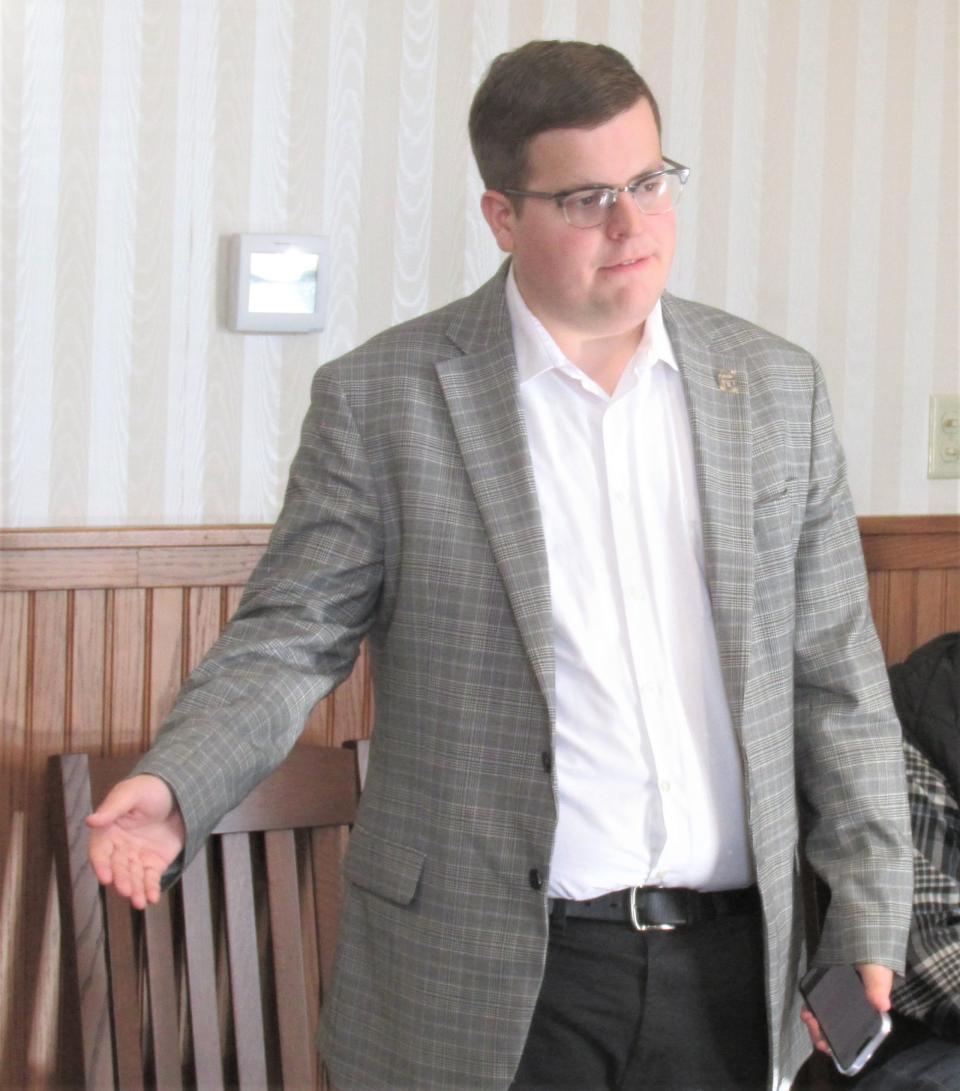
(641, 926)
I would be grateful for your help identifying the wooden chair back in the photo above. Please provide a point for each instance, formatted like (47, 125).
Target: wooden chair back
(220, 984)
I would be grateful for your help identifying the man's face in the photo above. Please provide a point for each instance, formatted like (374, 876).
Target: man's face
(593, 283)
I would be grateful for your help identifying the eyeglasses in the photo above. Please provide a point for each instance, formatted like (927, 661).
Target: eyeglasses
(655, 192)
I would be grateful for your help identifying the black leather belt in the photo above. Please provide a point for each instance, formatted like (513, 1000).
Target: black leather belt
(660, 909)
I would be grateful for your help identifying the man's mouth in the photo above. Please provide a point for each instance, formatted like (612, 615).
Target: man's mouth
(628, 262)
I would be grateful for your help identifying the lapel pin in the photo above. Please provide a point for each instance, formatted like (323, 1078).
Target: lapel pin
(727, 380)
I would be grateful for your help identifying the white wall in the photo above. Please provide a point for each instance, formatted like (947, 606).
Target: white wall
(137, 134)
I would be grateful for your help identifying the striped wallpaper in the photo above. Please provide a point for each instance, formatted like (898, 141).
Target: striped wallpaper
(137, 135)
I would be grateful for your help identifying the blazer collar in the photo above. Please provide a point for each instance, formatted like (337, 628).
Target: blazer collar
(480, 388)
(481, 321)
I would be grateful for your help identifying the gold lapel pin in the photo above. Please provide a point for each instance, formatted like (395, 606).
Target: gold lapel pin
(727, 380)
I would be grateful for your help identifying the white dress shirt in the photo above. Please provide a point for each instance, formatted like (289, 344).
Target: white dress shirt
(649, 777)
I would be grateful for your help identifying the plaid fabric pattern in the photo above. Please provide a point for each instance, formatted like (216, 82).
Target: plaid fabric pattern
(931, 989)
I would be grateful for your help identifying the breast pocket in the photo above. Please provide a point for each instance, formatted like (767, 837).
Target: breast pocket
(774, 523)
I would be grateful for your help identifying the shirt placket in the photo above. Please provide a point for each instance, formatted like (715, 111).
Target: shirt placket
(625, 495)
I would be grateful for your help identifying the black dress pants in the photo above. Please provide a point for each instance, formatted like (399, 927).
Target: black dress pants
(670, 1011)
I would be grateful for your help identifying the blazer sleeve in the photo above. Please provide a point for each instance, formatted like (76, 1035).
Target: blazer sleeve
(848, 755)
(296, 633)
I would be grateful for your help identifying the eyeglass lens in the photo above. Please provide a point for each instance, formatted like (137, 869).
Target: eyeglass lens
(590, 207)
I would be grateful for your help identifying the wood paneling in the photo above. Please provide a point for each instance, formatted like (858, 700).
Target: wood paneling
(98, 628)
(914, 571)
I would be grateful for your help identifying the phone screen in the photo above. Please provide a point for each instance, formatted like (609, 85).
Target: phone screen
(852, 1026)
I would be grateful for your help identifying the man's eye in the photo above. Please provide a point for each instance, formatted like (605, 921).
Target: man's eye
(589, 198)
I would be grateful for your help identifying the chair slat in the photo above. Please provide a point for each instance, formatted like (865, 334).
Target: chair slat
(308, 930)
(243, 958)
(162, 992)
(328, 848)
(202, 974)
(285, 930)
(125, 994)
(81, 914)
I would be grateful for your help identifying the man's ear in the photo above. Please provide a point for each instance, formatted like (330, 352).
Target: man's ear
(499, 213)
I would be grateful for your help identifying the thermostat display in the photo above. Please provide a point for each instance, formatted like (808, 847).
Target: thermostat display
(277, 283)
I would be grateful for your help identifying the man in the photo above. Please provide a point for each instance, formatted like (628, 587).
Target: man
(601, 546)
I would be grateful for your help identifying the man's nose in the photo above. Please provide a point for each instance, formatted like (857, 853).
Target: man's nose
(625, 217)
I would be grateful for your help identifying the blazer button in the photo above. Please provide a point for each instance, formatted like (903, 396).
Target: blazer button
(547, 758)
(536, 879)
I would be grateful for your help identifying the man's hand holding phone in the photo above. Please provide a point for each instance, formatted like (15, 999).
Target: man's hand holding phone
(846, 1012)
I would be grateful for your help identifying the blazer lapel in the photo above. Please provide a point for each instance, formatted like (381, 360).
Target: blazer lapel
(718, 404)
(480, 389)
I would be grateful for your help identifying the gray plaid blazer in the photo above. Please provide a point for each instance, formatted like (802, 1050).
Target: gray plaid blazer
(411, 518)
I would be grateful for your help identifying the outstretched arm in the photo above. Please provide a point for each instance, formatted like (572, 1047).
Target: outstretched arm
(296, 632)
(135, 835)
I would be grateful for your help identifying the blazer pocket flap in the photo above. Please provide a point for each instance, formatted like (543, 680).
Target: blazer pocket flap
(382, 867)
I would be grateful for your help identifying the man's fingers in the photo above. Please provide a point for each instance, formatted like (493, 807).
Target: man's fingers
(813, 1029)
(102, 868)
(877, 984)
(128, 877)
(151, 885)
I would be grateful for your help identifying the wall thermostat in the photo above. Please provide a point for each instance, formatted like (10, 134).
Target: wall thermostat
(278, 283)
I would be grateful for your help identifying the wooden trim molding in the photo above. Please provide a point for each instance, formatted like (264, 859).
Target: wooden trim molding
(135, 557)
(910, 542)
(38, 559)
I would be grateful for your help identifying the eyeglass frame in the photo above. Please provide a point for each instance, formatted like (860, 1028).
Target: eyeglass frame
(673, 167)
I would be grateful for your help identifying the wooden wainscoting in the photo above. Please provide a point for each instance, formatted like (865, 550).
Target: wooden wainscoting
(914, 569)
(98, 628)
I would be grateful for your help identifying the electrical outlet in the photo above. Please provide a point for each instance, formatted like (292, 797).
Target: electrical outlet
(943, 453)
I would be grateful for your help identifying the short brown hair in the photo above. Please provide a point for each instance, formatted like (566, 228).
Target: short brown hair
(541, 86)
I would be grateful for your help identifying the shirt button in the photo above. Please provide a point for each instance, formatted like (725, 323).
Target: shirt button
(536, 879)
(665, 786)
(547, 759)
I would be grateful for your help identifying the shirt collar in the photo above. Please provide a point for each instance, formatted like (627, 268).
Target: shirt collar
(537, 352)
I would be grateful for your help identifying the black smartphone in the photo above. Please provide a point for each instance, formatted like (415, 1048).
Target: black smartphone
(852, 1026)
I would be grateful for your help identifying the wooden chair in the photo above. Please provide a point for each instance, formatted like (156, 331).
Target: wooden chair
(220, 984)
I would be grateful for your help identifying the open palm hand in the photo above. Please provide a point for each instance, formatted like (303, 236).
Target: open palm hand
(135, 835)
